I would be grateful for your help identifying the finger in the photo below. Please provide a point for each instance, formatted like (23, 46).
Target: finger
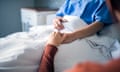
(58, 21)
(52, 34)
(57, 34)
(61, 34)
(55, 26)
(58, 24)
(55, 23)
(59, 27)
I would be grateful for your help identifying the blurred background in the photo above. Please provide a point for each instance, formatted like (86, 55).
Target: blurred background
(10, 16)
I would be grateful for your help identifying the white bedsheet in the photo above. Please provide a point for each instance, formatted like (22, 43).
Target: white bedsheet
(23, 50)
(17, 43)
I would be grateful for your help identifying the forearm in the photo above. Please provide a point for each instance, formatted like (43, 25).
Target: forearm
(47, 60)
(88, 30)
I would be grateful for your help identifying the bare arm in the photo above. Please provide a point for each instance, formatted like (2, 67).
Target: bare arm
(83, 32)
(88, 30)
(47, 60)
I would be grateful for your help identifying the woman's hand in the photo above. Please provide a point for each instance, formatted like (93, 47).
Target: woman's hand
(58, 23)
(55, 38)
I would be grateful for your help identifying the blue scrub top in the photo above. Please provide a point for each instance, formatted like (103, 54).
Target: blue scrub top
(88, 10)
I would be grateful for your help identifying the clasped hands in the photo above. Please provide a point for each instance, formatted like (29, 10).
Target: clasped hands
(57, 38)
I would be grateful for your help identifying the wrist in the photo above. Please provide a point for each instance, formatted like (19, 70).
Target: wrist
(75, 35)
(52, 44)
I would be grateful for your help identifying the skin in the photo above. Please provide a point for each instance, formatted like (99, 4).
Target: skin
(80, 33)
(111, 66)
(84, 67)
(55, 39)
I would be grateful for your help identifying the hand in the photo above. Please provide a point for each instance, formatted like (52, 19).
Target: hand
(58, 23)
(55, 38)
(68, 37)
(87, 67)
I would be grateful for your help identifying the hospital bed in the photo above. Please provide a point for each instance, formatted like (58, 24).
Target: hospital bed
(21, 51)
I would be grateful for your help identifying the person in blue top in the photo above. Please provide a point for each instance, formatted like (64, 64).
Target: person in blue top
(94, 12)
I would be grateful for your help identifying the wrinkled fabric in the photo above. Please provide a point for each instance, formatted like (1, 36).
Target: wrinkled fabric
(88, 10)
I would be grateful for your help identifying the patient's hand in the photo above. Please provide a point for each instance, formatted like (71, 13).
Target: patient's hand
(55, 38)
(58, 23)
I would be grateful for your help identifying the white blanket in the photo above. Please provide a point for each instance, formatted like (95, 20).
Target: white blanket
(22, 51)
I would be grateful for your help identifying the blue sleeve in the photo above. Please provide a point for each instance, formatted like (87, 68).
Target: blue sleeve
(61, 10)
(103, 15)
